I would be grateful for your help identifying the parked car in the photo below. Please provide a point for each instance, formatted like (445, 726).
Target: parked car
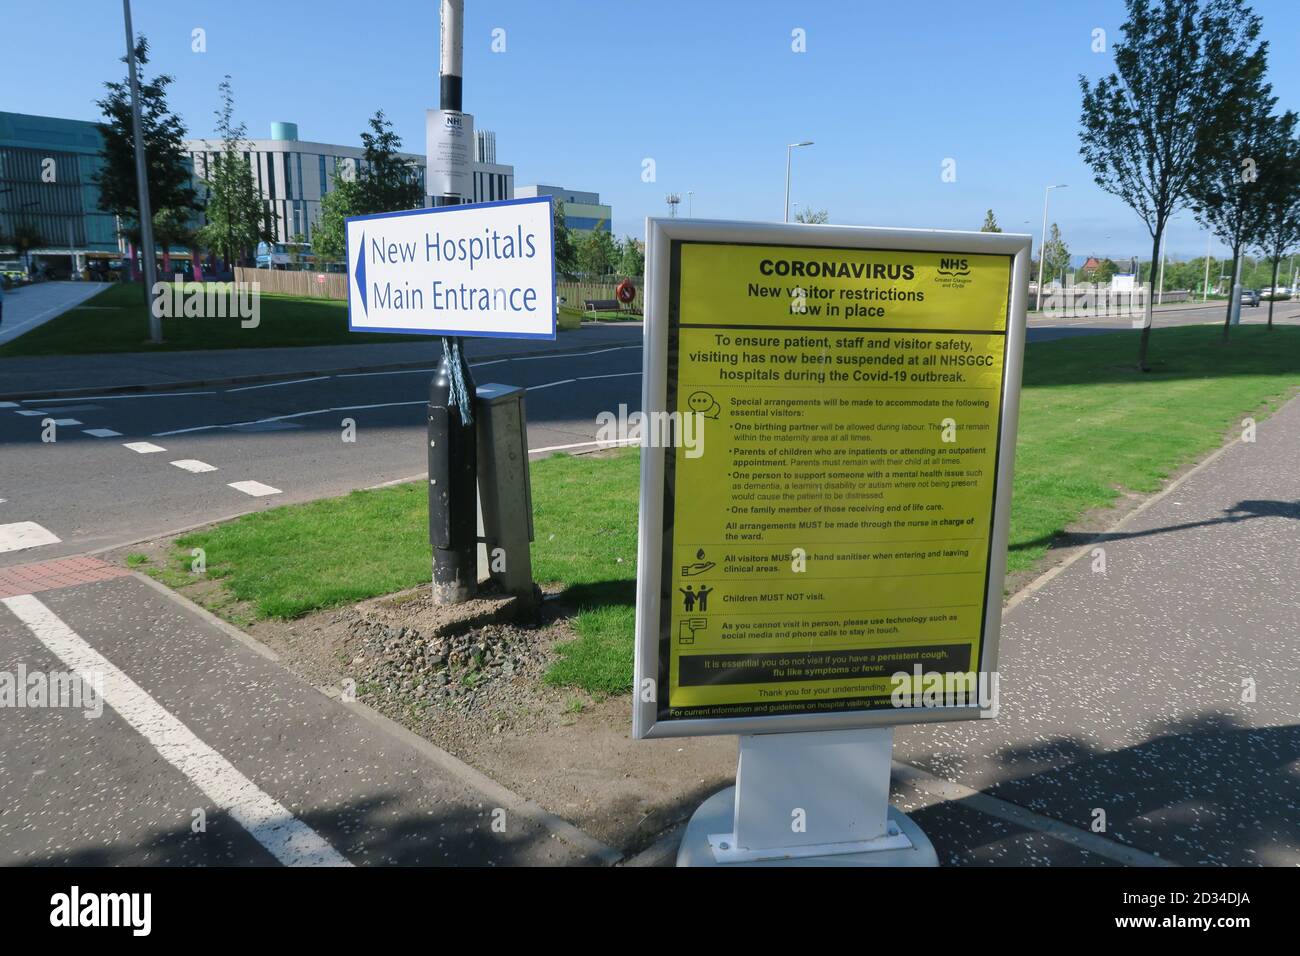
(13, 271)
(1280, 293)
(1249, 297)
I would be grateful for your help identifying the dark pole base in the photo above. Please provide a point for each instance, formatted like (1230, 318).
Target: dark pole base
(453, 485)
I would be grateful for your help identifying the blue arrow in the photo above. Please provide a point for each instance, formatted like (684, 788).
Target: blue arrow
(361, 274)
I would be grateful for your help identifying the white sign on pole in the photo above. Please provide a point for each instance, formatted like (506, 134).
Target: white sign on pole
(449, 153)
(481, 270)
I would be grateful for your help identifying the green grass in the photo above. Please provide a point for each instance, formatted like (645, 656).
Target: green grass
(1090, 428)
(116, 320)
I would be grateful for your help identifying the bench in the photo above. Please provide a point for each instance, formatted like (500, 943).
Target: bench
(602, 305)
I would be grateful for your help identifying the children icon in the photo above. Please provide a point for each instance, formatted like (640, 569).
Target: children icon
(702, 597)
(691, 597)
(688, 598)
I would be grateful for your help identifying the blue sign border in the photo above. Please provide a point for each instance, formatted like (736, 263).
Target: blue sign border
(425, 210)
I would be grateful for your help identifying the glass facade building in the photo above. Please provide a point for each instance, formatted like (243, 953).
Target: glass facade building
(293, 174)
(47, 190)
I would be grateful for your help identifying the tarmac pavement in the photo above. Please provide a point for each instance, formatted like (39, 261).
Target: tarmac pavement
(1162, 692)
(208, 753)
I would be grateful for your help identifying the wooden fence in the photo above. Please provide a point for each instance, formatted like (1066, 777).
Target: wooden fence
(575, 293)
(320, 285)
(334, 285)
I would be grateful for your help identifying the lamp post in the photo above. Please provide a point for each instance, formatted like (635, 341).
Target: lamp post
(789, 149)
(1042, 248)
(142, 179)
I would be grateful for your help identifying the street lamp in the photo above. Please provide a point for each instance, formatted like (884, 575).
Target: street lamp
(789, 148)
(690, 204)
(1042, 248)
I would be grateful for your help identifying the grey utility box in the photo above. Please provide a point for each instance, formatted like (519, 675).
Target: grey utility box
(504, 491)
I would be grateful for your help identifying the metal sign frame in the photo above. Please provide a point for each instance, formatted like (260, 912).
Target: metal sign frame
(661, 237)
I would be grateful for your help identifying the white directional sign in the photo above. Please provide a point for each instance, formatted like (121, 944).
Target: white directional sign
(484, 270)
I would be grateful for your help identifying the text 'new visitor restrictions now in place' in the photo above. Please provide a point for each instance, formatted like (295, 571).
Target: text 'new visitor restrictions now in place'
(837, 528)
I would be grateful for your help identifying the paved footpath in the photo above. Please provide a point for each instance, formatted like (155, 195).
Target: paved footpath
(208, 753)
(1163, 691)
(29, 306)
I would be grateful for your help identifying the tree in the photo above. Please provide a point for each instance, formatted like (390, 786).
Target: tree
(1056, 255)
(329, 242)
(166, 172)
(1279, 205)
(812, 215)
(237, 218)
(386, 182)
(1225, 186)
(566, 255)
(1171, 98)
(631, 260)
(172, 227)
(597, 254)
(990, 223)
(25, 237)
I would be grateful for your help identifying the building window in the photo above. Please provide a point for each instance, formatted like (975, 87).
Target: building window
(324, 180)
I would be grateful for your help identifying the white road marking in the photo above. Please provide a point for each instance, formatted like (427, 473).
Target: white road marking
(587, 444)
(403, 371)
(143, 447)
(8, 404)
(30, 412)
(280, 418)
(194, 465)
(22, 535)
(588, 378)
(104, 398)
(254, 488)
(66, 421)
(538, 358)
(101, 433)
(538, 388)
(286, 837)
(296, 381)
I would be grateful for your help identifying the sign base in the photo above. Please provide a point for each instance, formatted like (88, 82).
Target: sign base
(811, 799)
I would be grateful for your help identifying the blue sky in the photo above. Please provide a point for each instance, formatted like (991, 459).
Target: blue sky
(712, 92)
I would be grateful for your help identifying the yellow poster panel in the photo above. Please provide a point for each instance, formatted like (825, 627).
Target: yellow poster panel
(833, 506)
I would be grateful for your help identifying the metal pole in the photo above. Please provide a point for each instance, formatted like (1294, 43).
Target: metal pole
(142, 180)
(788, 150)
(453, 474)
(1042, 248)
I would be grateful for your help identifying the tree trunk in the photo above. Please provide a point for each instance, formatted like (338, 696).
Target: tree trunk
(1232, 290)
(1149, 317)
(1273, 296)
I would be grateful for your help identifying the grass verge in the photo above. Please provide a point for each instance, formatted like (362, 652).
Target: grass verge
(116, 320)
(1090, 428)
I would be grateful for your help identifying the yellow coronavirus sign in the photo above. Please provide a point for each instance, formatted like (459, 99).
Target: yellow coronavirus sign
(828, 538)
